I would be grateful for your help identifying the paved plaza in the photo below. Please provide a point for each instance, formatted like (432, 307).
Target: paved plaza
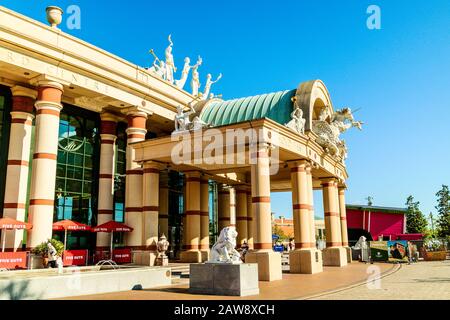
(421, 281)
(293, 286)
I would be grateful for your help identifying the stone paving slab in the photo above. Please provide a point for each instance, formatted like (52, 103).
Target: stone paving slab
(293, 286)
(428, 280)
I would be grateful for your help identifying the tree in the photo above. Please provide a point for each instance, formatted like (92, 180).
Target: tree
(443, 209)
(415, 220)
(276, 230)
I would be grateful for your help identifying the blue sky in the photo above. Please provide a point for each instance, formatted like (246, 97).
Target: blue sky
(399, 76)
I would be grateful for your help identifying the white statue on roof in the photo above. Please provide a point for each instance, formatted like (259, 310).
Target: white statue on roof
(298, 122)
(329, 128)
(170, 64)
(159, 66)
(209, 83)
(182, 118)
(195, 81)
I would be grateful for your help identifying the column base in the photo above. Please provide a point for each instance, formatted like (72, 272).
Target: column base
(349, 254)
(191, 256)
(307, 261)
(144, 258)
(269, 264)
(335, 257)
(205, 254)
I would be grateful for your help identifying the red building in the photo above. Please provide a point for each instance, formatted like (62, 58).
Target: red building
(384, 222)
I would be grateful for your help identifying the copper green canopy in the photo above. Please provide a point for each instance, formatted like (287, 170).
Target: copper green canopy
(276, 106)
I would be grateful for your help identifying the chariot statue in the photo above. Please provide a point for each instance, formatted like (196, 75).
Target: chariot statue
(185, 72)
(158, 67)
(224, 250)
(329, 127)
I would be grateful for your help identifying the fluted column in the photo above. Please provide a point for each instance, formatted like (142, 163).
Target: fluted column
(241, 217)
(133, 183)
(18, 161)
(204, 219)
(333, 254)
(250, 221)
(269, 262)
(42, 193)
(108, 138)
(192, 229)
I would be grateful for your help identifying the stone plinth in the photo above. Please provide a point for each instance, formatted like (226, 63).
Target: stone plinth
(162, 261)
(306, 261)
(224, 279)
(269, 264)
(349, 254)
(334, 256)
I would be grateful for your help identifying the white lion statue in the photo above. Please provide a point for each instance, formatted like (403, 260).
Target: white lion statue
(223, 251)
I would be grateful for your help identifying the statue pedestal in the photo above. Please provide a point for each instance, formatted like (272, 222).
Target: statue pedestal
(162, 261)
(307, 261)
(224, 279)
(334, 256)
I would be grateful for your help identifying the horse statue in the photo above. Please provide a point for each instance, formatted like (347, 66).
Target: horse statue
(329, 128)
(224, 250)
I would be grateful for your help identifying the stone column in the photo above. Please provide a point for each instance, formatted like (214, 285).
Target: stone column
(232, 207)
(163, 220)
(333, 254)
(312, 224)
(305, 258)
(133, 182)
(192, 230)
(42, 193)
(150, 208)
(344, 231)
(241, 217)
(250, 220)
(18, 162)
(108, 138)
(204, 219)
(224, 208)
(269, 262)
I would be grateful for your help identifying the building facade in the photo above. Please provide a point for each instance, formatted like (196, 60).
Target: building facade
(88, 136)
(386, 223)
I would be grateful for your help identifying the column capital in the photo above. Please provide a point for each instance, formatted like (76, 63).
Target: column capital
(298, 164)
(46, 81)
(154, 167)
(107, 116)
(326, 182)
(193, 174)
(136, 111)
(19, 91)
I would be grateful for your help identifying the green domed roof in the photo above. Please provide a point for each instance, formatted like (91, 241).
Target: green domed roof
(276, 106)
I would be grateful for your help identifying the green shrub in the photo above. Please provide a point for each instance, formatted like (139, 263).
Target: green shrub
(42, 249)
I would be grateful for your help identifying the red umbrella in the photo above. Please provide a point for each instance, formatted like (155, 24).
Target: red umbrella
(112, 226)
(11, 224)
(69, 225)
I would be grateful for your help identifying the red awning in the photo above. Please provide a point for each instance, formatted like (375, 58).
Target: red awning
(11, 224)
(70, 225)
(112, 226)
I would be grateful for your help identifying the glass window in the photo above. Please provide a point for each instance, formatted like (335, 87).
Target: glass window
(119, 175)
(77, 171)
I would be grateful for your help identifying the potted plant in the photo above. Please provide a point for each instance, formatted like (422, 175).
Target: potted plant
(42, 250)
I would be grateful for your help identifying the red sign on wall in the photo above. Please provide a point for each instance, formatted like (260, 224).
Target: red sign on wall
(122, 255)
(13, 260)
(75, 257)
